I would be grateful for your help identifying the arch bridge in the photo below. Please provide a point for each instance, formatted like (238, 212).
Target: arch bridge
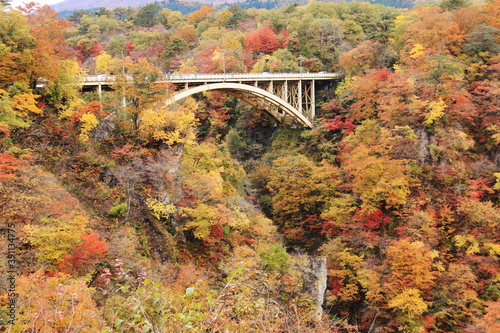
(281, 95)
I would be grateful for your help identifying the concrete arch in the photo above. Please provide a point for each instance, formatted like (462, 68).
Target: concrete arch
(233, 88)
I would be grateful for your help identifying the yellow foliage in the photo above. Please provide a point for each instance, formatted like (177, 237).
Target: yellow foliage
(158, 209)
(103, 63)
(493, 249)
(170, 126)
(417, 51)
(170, 18)
(435, 111)
(188, 66)
(201, 219)
(480, 213)
(349, 293)
(378, 180)
(469, 242)
(88, 122)
(242, 256)
(67, 88)
(398, 69)
(207, 186)
(222, 18)
(260, 64)
(372, 283)
(409, 302)
(15, 110)
(210, 173)
(496, 132)
(233, 41)
(340, 210)
(238, 218)
(497, 183)
(25, 104)
(55, 238)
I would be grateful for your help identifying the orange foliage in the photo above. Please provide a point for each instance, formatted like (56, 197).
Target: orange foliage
(492, 317)
(187, 33)
(197, 17)
(492, 10)
(363, 56)
(468, 18)
(435, 31)
(55, 304)
(411, 266)
(50, 41)
(8, 165)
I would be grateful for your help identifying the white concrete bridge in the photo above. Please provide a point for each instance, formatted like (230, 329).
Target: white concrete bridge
(279, 94)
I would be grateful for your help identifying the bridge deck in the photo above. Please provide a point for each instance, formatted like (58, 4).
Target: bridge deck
(221, 77)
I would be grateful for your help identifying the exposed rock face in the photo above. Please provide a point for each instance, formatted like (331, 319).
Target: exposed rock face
(316, 283)
(496, 157)
(424, 140)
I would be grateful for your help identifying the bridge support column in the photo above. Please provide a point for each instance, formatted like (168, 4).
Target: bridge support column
(313, 100)
(99, 92)
(299, 97)
(285, 97)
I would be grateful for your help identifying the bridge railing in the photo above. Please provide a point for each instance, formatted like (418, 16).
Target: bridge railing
(250, 76)
(103, 78)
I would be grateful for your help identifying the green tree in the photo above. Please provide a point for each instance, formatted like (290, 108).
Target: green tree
(148, 15)
(170, 18)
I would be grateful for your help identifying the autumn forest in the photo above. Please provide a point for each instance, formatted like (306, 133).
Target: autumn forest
(120, 213)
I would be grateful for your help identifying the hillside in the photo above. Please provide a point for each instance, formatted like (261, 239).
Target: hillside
(120, 213)
(78, 5)
(72, 5)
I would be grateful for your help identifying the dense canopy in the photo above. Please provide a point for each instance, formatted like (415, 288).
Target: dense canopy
(123, 214)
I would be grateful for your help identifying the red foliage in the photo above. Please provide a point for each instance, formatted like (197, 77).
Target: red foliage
(265, 41)
(93, 107)
(204, 59)
(218, 114)
(85, 253)
(248, 240)
(339, 123)
(129, 47)
(216, 232)
(185, 202)
(83, 50)
(335, 285)
(152, 52)
(374, 220)
(96, 49)
(122, 153)
(382, 74)
(41, 105)
(428, 321)
(478, 188)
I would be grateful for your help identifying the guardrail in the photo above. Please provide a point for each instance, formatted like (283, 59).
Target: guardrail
(226, 76)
